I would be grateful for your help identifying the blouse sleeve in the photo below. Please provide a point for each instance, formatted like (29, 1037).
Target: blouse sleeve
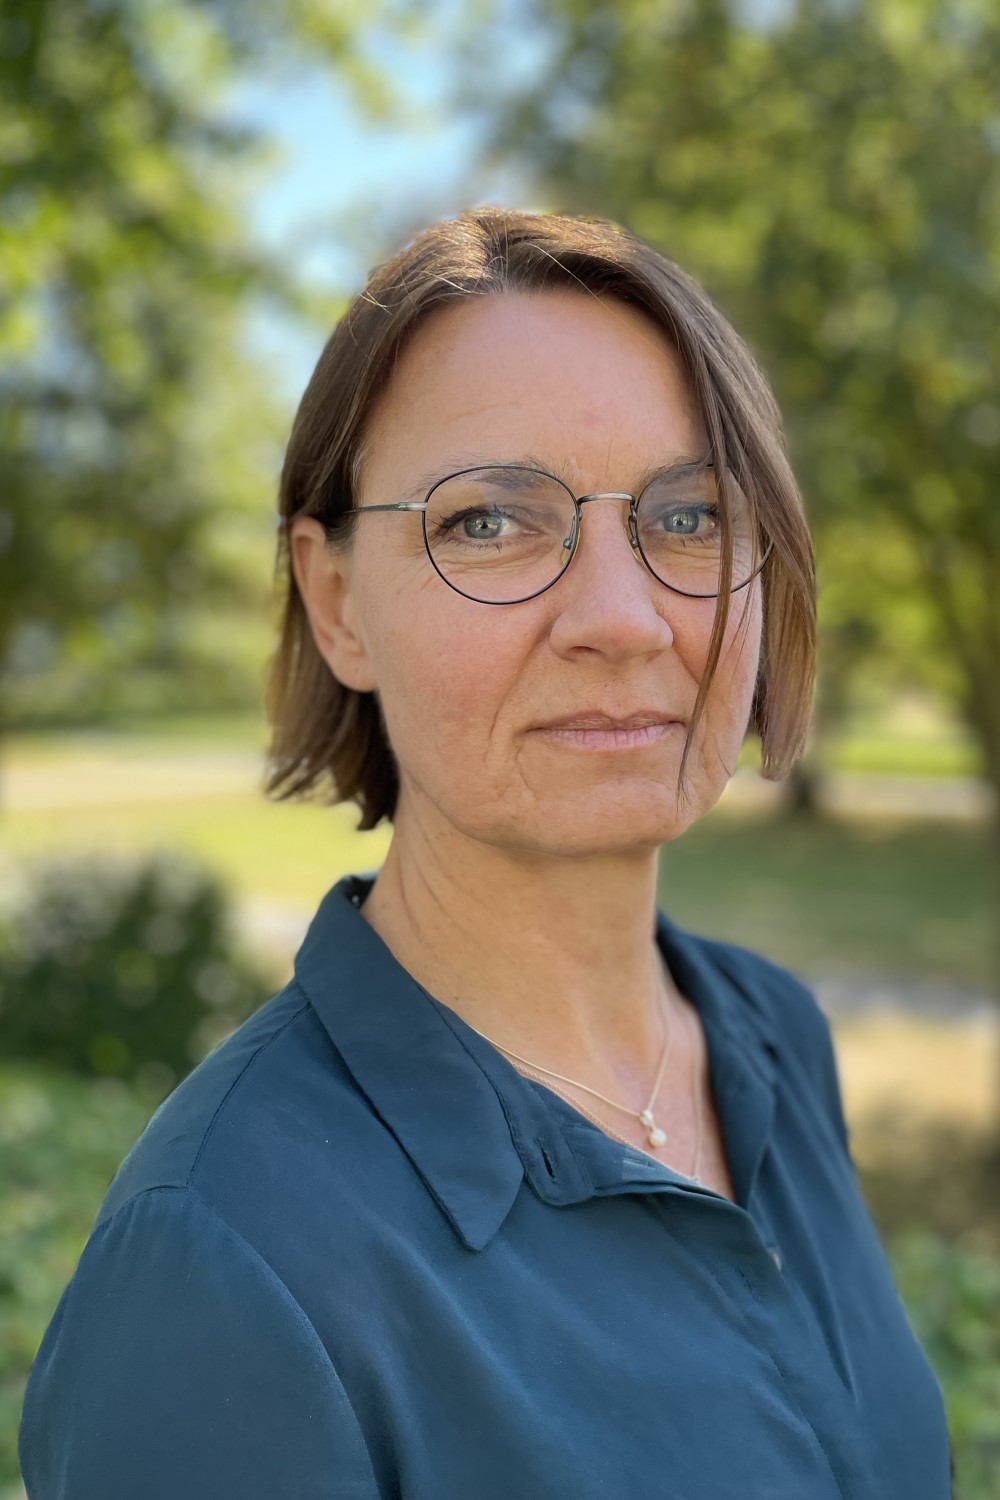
(178, 1366)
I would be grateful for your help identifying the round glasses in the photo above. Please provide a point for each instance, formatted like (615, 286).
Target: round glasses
(503, 533)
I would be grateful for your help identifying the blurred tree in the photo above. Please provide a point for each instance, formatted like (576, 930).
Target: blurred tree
(830, 172)
(134, 427)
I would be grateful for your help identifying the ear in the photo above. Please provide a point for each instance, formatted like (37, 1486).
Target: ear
(324, 581)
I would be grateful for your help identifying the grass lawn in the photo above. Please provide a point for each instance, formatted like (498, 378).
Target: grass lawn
(909, 897)
(289, 854)
(914, 898)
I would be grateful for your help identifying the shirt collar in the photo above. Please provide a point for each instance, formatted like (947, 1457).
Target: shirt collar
(472, 1125)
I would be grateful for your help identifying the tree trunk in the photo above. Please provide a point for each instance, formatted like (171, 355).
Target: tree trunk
(802, 792)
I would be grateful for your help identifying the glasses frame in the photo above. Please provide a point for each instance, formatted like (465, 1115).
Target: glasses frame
(579, 501)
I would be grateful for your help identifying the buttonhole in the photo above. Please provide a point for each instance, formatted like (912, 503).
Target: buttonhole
(751, 1286)
(545, 1158)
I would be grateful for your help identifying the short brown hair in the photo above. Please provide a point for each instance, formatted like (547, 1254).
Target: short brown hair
(325, 736)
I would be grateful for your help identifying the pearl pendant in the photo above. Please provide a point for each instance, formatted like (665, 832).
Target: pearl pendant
(657, 1137)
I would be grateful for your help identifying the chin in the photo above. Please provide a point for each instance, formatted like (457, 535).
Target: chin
(599, 823)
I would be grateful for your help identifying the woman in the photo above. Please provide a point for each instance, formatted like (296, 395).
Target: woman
(517, 1190)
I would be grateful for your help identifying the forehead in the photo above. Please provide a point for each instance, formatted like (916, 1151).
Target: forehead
(589, 383)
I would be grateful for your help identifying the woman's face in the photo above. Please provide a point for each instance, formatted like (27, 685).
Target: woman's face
(591, 390)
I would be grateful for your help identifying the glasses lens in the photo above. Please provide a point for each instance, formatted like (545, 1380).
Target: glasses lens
(679, 525)
(500, 534)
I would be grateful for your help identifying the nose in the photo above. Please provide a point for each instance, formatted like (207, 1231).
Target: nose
(603, 542)
(607, 600)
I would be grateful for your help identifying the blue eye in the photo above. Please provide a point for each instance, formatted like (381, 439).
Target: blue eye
(686, 521)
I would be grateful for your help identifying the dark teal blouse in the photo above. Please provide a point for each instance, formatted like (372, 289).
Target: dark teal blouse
(356, 1254)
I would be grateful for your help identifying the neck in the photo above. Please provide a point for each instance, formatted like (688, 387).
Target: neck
(552, 958)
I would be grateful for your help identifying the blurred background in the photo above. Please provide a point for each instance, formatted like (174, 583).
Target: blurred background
(190, 191)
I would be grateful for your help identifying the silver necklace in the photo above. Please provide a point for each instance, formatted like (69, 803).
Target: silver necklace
(657, 1137)
(696, 1093)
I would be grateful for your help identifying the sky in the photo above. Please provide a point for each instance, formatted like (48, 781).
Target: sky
(316, 206)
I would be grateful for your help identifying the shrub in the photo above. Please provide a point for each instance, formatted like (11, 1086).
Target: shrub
(951, 1292)
(62, 1138)
(122, 969)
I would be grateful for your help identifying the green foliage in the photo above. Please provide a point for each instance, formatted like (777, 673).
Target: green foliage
(952, 1297)
(139, 440)
(61, 1142)
(120, 969)
(120, 265)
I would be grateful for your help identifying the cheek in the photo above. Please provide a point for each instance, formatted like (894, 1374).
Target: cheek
(731, 693)
(692, 623)
(741, 644)
(444, 671)
(736, 672)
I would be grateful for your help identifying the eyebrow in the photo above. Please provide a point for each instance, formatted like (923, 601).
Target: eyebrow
(458, 464)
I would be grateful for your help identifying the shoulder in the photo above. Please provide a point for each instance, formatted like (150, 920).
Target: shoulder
(785, 1013)
(229, 1121)
(172, 1357)
(194, 1293)
(782, 1002)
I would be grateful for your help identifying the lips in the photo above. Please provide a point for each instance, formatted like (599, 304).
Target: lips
(642, 719)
